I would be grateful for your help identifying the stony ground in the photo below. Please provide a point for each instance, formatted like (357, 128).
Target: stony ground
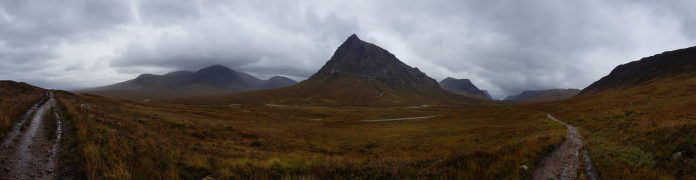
(28, 154)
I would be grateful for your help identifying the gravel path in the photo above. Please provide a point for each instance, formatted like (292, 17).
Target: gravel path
(29, 154)
(563, 162)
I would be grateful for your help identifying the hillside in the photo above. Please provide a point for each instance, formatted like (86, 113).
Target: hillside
(463, 87)
(15, 99)
(530, 96)
(487, 95)
(359, 73)
(210, 80)
(278, 81)
(646, 71)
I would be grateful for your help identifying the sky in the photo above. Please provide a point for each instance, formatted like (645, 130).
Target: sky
(503, 46)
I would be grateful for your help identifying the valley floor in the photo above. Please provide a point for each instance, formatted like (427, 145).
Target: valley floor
(136, 140)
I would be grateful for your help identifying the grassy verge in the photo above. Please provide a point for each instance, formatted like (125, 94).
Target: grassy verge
(51, 124)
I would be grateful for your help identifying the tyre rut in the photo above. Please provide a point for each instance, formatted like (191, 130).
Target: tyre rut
(28, 154)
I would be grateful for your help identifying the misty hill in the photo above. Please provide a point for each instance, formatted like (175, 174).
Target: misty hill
(278, 81)
(358, 73)
(210, 80)
(646, 71)
(544, 95)
(463, 87)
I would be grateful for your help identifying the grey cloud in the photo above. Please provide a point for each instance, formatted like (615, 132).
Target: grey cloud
(44, 21)
(31, 31)
(167, 12)
(295, 46)
(514, 45)
(73, 67)
(503, 46)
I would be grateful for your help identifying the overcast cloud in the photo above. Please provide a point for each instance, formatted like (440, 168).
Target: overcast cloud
(504, 47)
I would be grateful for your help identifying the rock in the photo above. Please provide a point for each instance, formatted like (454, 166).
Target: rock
(677, 155)
(524, 167)
(7, 169)
(50, 170)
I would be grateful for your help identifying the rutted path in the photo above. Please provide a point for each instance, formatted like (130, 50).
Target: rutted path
(563, 162)
(28, 154)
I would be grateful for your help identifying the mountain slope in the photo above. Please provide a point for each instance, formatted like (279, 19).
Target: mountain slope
(646, 71)
(543, 95)
(359, 73)
(278, 81)
(146, 80)
(251, 81)
(487, 95)
(217, 77)
(463, 87)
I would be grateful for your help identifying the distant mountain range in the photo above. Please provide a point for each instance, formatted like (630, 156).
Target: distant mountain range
(215, 79)
(358, 73)
(464, 87)
(646, 71)
(543, 95)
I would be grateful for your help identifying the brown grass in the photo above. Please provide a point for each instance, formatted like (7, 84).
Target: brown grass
(15, 100)
(633, 133)
(129, 140)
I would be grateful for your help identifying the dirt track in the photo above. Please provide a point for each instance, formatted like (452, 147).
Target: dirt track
(28, 154)
(563, 163)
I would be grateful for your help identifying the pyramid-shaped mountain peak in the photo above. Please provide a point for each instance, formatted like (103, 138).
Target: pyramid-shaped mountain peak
(359, 73)
(365, 61)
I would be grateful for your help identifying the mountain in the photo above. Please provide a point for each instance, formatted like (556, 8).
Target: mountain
(487, 95)
(646, 71)
(218, 77)
(251, 81)
(463, 87)
(543, 95)
(278, 81)
(358, 73)
(215, 79)
(145, 81)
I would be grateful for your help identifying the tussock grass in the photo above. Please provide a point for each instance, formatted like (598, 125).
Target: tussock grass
(131, 140)
(51, 125)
